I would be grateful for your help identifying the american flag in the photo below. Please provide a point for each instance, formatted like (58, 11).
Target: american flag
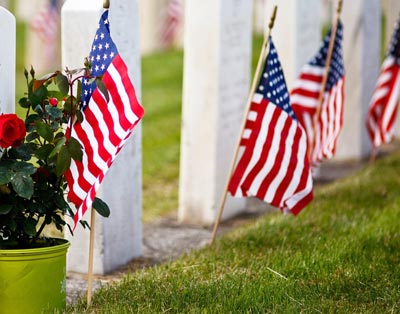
(305, 96)
(46, 24)
(106, 125)
(383, 107)
(172, 21)
(274, 165)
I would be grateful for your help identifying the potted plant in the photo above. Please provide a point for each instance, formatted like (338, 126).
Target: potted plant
(34, 154)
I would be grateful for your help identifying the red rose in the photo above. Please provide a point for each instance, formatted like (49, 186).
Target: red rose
(12, 130)
(53, 101)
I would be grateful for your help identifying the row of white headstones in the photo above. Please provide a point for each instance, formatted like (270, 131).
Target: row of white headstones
(217, 53)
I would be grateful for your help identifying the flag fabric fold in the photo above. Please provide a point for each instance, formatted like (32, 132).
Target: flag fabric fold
(274, 165)
(106, 125)
(321, 136)
(382, 112)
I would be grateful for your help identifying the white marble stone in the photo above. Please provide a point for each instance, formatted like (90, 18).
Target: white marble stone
(296, 33)
(118, 238)
(260, 16)
(215, 91)
(362, 59)
(7, 61)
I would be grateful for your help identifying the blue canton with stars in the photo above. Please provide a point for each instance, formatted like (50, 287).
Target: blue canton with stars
(336, 70)
(394, 48)
(272, 84)
(101, 55)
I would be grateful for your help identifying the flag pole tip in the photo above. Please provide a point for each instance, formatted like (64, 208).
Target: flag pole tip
(273, 16)
(340, 6)
(106, 4)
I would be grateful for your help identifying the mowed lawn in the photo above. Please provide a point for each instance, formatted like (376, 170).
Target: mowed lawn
(340, 255)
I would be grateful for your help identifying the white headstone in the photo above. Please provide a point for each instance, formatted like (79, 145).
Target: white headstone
(7, 61)
(362, 60)
(260, 16)
(215, 90)
(118, 238)
(296, 33)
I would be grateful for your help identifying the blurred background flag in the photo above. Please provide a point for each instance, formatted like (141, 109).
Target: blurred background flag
(274, 166)
(322, 135)
(382, 110)
(46, 24)
(172, 20)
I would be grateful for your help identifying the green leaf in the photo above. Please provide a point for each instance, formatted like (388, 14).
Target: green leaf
(63, 161)
(24, 168)
(44, 131)
(5, 175)
(54, 112)
(79, 90)
(24, 102)
(30, 122)
(55, 94)
(30, 227)
(59, 135)
(12, 225)
(23, 185)
(48, 76)
(75, 149)
(70, 105)
(32, 136)
(44, 151)
(103, 89)
(101, 207)
(79, 116)
(5, 209)
(60, 143)
(38, 96)
(23, 152)
(62, 83)
(38, 84)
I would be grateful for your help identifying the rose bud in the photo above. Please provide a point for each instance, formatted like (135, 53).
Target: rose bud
(53, 101)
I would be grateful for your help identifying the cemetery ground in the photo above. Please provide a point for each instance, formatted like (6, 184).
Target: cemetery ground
(340, 255)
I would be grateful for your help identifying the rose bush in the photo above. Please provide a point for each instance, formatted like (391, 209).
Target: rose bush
(34, 154)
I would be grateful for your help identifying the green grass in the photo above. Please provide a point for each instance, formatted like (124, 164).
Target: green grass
(162, 90)
(340, 255)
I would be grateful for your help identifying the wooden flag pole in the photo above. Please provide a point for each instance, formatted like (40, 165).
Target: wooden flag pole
(252, 91)
(324, 79)
(106, 5)
(91, 250)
